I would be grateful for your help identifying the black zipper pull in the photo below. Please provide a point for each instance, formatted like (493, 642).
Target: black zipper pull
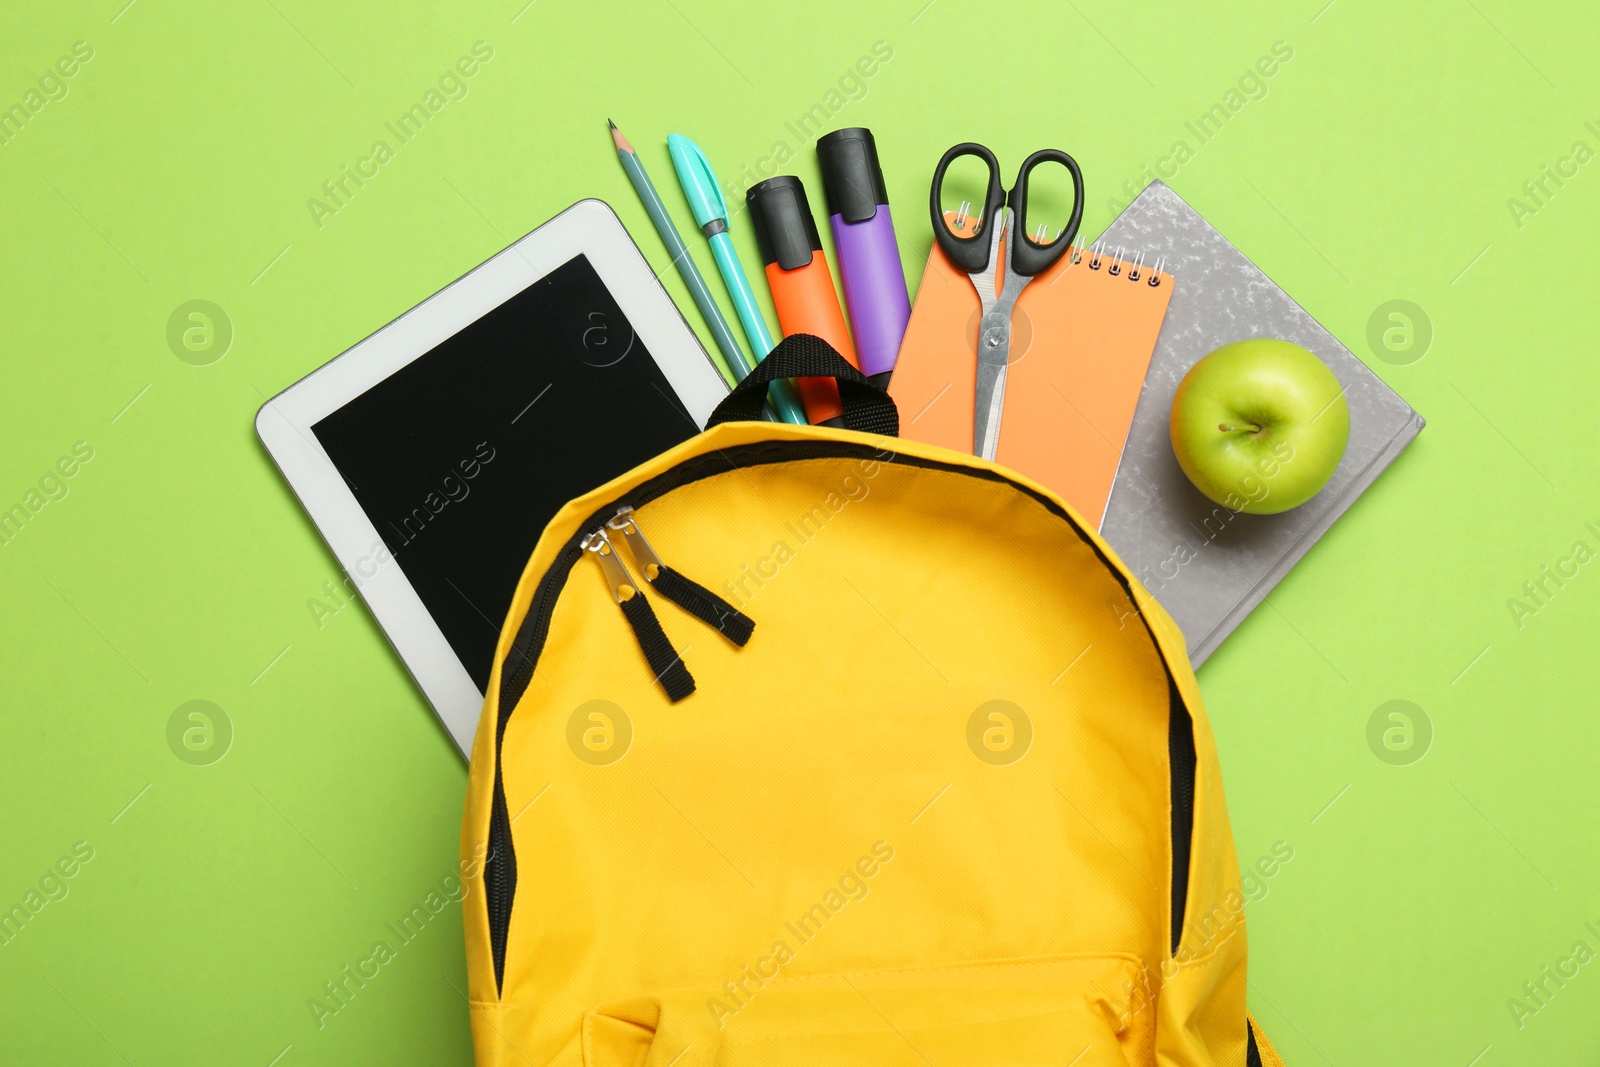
(688, 594)
(664, 660)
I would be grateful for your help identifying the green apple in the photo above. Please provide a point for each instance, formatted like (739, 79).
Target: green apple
(1260, 425)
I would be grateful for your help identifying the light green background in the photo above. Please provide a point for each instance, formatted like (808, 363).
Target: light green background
(1377, 166)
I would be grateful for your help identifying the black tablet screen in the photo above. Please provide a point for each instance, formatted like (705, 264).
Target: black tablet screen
(461, 457)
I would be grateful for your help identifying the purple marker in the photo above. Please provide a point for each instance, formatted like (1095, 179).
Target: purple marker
(863, 238)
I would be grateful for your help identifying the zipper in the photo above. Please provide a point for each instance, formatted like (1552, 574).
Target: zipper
(688, 594)
(500, 866)
(653, 642)
(670, 670)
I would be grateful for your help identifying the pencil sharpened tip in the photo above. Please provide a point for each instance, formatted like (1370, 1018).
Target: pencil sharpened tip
(613, 125)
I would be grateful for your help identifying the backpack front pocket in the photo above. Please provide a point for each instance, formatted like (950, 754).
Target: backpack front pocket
(1061, 1010)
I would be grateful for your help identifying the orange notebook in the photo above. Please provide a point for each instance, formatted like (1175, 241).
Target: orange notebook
(1081, 340)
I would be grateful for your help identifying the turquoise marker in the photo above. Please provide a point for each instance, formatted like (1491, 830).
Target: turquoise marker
(711, 215)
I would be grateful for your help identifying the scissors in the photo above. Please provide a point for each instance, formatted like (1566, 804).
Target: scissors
(978, 256)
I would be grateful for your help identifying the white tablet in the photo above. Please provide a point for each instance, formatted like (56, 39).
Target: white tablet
(432, 454)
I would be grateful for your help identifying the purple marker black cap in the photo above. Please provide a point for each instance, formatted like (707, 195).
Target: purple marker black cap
(869, 258)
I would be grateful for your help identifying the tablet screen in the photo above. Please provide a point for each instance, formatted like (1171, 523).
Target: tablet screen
(461, 457)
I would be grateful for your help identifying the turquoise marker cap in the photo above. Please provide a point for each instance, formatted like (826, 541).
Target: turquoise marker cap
(699, 183)
(710, 210)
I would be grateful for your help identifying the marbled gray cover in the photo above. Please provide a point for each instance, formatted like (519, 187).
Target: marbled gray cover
(1206, 565)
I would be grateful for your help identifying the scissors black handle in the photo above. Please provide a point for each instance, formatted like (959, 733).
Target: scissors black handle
(1028, 257)
(971, 254)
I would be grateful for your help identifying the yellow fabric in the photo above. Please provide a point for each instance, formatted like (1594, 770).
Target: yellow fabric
(828, 853)
(1269, 1055)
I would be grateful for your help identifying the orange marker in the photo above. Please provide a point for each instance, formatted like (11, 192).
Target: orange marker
(801, 283)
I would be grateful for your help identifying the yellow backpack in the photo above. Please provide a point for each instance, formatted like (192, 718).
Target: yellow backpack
(813, 746)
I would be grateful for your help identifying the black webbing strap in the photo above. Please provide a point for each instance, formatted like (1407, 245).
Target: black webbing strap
(664, 660)
(704, 605)
(867, 408)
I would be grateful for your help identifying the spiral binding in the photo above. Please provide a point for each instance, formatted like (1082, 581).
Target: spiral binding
(1118, 263)
(1115, 264)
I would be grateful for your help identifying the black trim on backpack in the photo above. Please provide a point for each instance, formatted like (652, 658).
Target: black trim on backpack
(1181, 764)
(500, 868)
(1252, 1055)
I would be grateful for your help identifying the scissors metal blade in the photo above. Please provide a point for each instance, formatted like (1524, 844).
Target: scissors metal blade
(991, 400)
(994, 346)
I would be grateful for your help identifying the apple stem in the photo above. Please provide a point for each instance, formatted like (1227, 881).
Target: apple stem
(1225, 428)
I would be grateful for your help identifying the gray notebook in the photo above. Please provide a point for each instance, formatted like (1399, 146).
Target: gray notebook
(1207, 565)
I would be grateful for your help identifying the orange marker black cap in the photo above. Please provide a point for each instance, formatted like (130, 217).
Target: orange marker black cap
(786, 232)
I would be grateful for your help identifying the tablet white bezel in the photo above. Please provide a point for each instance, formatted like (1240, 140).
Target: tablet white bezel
(284, 423)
